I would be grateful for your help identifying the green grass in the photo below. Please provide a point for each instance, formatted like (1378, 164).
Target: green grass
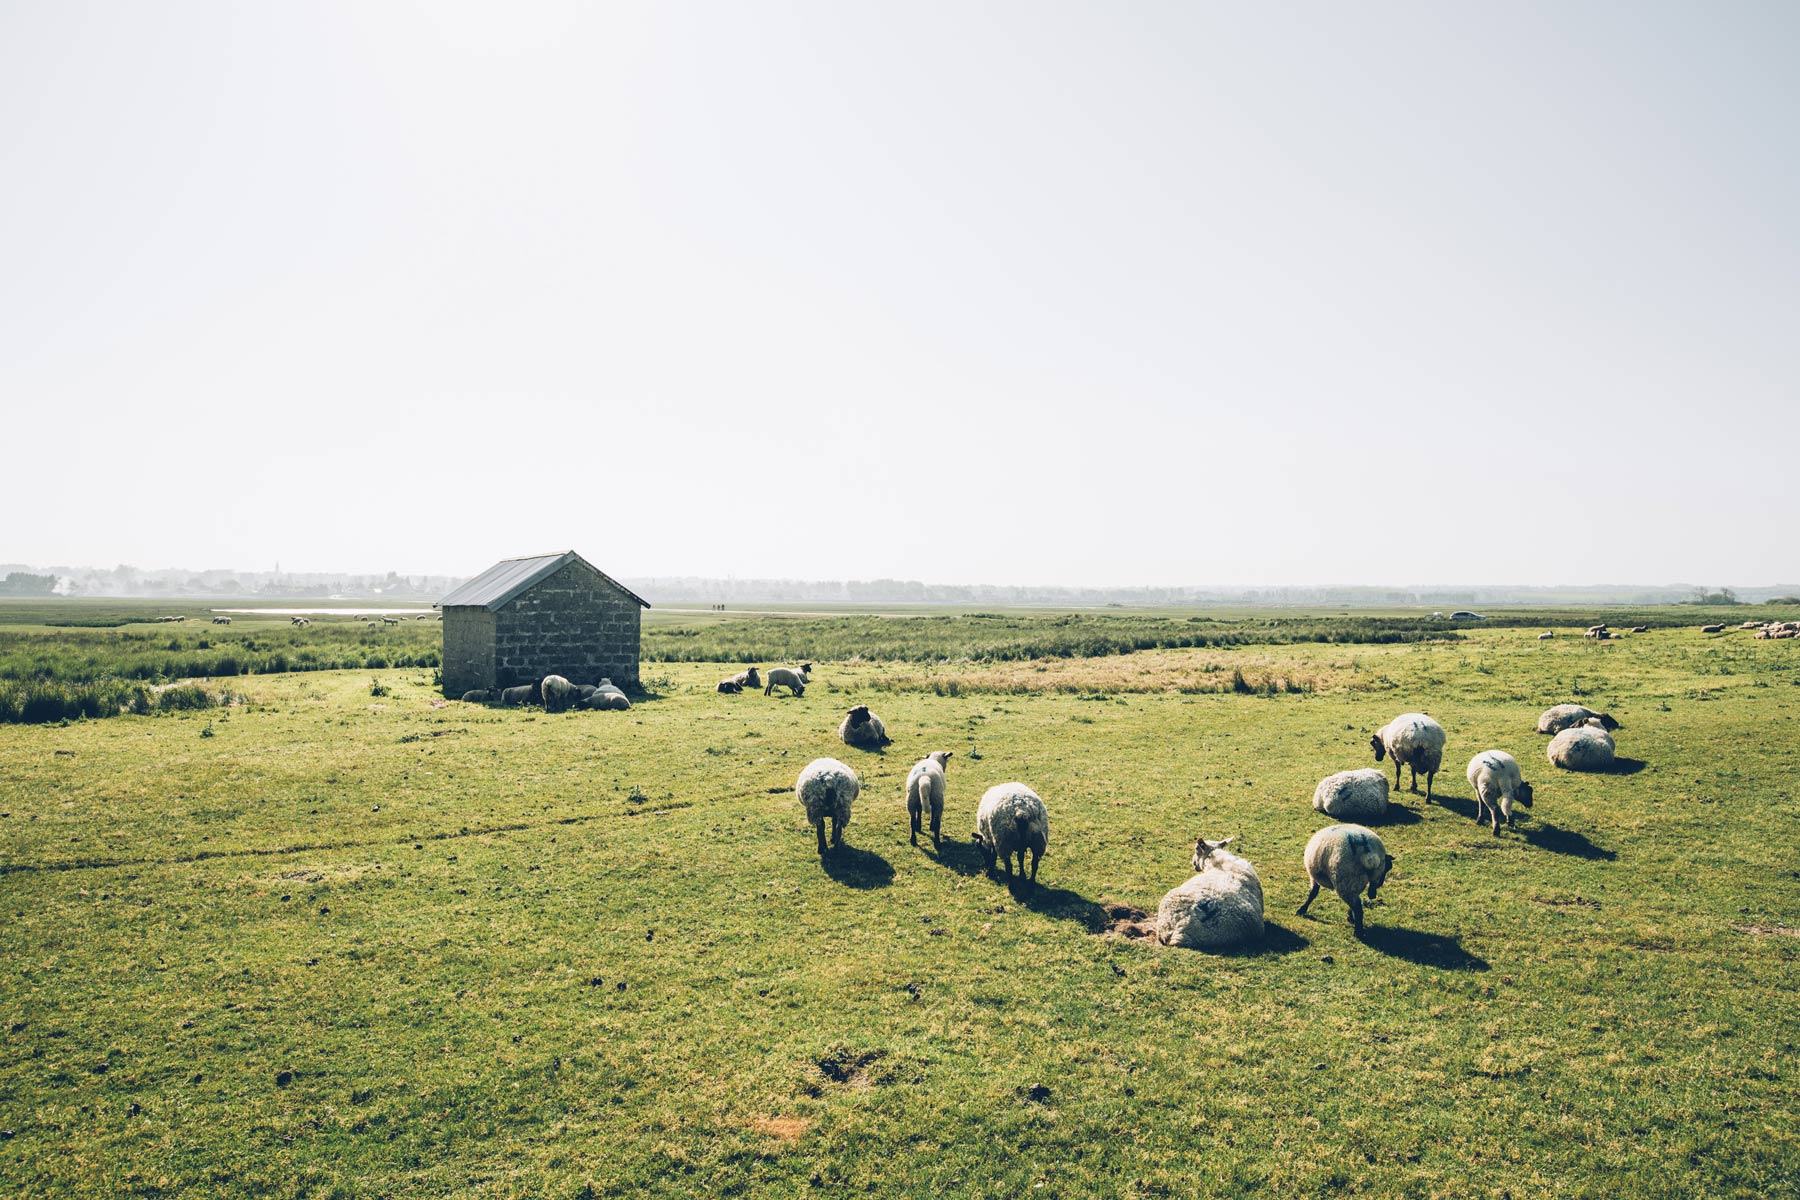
(351, 944)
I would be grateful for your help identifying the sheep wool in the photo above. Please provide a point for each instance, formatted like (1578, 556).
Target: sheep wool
(1221, 906)
(1582, 748)
(1564, 716)
(925, 792)
(1498, 784)
(1360, 795)
(1412, 740)
(558, 693)
(826, 789)
(1011, 819)
(1346, 859)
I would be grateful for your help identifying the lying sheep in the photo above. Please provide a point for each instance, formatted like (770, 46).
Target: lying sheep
(925, 790)
(1546, 635)
(1719, 628)
(1360, 795)
(826, 789)
(607, 701)
(1640, 629)
(1494, 774)
(1563, 716)
(863, 729)
(583, 691)
(795, 680)
(513, 696)
(730, 687)
(1010, 820)
(1346, 859)
(746, 680)
(1413, 740)
(1582, 748)
(478, 696)
(1595, 631)
(1221, 906)
(558, 693)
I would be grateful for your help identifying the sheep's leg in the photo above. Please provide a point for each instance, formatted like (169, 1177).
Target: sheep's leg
(914, 813)
(1415, 779)
(1396, 774)
(819, 828)
(1035, 855)
(1356, 914)
(937, 816)
(1310, 897)
(837, 832)
(1429, 776)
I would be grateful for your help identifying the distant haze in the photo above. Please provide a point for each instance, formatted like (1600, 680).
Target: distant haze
(1074, 294)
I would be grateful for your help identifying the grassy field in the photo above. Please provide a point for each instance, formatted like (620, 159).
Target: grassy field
(334, 943)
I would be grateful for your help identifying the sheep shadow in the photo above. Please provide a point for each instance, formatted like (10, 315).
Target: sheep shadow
(1462, 806)
(1060, 903)
(965, 858)
(1624, 766)
(1565, 841)
(1397, 814)
(857, 868)
(1276, 939)
(1424, 949)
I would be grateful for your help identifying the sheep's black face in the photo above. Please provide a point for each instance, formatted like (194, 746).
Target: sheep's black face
(859, 715)
(1524, 795)
(1379, 749)
(1606, 722)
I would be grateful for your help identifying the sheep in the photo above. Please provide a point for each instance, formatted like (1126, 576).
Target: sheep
(1719, 628)
(1360, 795)
(1010, 820)
(1219, 907)
(1581, 748)
(478, 696)
(1546, 635)
(221, 620)
(746, 680)
(730, 687)
(863, 729)
(1563, 716)
(557, 693)
(1415, 740)
(1494, 774)
(1640, 629)
(605, 696)
(1346, 859)
(925, 790)
(522, 694)
(390, 620)
(826, 789)
(794, 680)
(1595, 631)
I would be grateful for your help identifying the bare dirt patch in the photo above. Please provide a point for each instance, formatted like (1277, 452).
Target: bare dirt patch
(845, 1066)
(1767, 930)
(783, 1129)
(1127, 921)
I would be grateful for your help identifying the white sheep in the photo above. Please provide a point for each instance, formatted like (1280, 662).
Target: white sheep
(1346, 859)
(1581, 748)
(1219, 907)
(863, 729)
(1498, 784)
(1546, 635)
(826, 789)
(558, 693)
(1413, 740)
(1360, 795)
(794, 679)
(925, 791)
(744, 681)
(1563, 716)
(605, 696)
(1011, 819)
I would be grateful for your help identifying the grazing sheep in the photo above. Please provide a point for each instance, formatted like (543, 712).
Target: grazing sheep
(925, 790)
(794, 680)
(1719, 628)
(1546, 635)
(730, 687)
(478, 696)
(1346, 859)
(1010, 820)
(221, 620)
(1582, 748)
(517, 695)
(390, 620)
(863, 729)
(745, 680)
(1413, 740)
(1221, 906)
(1595, 631)
(1563, 716)
(1360, 795)
(826, 789)
(558, 693)
(1494, 774)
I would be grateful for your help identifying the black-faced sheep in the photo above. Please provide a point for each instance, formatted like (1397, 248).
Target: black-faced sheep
(478, 696)
(1413, 740)
(1219, 907)
(748, 680)
(1012, 819)
(925, 793)
(863, 729)
(729, 687)
(1346, 859)
(826, 789)
(1563, 716)
(1498, 784)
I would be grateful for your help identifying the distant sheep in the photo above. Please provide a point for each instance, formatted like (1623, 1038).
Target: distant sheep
(826, 789)
(1498, 784)
(1012, 819)
(795, 679)
(558, 693)
(478, 696)
(1360, 795)
(1640, 629)
(925, 793)
(746, 680)
(221, 620)
(1582, 748)
(730, 687)
(1221, 906)
(1546, 635)
(1346, 859)
(863, 729)
(1719, 628)
(390, 620)
(1565, 716)
(1415, 741)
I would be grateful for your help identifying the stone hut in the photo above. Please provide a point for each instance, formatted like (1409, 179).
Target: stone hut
(552, 614)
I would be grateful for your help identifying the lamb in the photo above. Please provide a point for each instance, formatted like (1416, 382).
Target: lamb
(863, 729)
(1563, 716)
(1010, 820)
(730, 687)
(558, 693)
(1346, 859)
(517, 695)
(794, 680)
(744, 680)
(1360, 795)
(1221, 906)
(925, 789)
(826, 789)
(1494, 774)
(1582, 748)
(478, 696)
(1415, 740)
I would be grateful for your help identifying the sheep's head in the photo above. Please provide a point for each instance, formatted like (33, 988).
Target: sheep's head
(1523, 795)
(1204, 850)
(752, 679)
(859, 715)
(941, 757)
(1379, 876)
(1607, 722)
(1379, 747)
(806, 667)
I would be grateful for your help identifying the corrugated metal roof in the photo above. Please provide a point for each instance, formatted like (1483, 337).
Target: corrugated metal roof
(510, 578)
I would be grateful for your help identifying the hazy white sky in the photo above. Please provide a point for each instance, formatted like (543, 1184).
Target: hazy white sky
(1034, 293)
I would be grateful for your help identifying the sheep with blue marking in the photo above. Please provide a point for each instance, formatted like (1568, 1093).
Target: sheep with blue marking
(1412, 740)
(1220, 907)
(1499, 785)
(1360, 795)
(1346, 859)
(1012, 820)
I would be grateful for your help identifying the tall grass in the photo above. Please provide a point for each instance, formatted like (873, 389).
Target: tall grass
(43, 701)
